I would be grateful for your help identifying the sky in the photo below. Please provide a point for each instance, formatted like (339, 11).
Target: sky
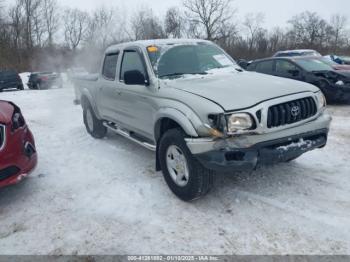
(277, 12)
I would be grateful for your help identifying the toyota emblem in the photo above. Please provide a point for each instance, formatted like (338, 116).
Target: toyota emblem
(295, 111)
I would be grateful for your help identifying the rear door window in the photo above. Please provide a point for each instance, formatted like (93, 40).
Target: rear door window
(284, 67)
(109, 70)
(265, 67)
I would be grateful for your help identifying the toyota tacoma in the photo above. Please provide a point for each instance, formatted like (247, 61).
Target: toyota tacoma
(190, 102)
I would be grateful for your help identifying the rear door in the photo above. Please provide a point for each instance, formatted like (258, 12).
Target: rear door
(108, 94)
(136, 105)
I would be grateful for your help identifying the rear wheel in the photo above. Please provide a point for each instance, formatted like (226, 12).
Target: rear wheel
(185, 176)
(20, 87)
(93, 125)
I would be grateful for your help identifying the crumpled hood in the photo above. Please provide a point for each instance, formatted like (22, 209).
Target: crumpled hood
(6, 112)
(238, 90)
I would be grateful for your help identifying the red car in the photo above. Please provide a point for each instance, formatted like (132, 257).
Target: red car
(18, 155)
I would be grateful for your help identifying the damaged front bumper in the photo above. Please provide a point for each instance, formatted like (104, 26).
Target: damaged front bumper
(245, 153)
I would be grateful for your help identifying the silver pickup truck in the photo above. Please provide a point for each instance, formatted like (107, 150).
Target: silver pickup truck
(190, 102)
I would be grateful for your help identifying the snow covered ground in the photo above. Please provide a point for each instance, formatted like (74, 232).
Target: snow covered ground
(92, 196)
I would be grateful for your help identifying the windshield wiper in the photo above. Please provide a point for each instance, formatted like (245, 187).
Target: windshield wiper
(181, 74)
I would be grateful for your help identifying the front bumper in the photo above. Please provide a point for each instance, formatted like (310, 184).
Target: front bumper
(18, 158)
(245, 153)
(12, 175)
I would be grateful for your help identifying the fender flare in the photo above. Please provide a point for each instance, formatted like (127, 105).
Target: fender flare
(86, 96)
(177, 116)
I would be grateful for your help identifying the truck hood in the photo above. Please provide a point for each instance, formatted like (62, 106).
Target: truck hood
(238, 90)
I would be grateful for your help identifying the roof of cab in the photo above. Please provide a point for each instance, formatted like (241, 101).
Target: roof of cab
(146, 43)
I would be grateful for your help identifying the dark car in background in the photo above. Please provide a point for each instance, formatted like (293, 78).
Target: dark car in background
(44, 80)
(335, 84)
(9, 79)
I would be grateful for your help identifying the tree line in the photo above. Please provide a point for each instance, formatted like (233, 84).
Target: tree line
(42, 35)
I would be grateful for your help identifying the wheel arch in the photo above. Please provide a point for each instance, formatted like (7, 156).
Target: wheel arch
(169, 119)
(87, 99)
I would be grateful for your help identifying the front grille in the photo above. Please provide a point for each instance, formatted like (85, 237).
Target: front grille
(291, 112)
(8, 172)
(2, 136)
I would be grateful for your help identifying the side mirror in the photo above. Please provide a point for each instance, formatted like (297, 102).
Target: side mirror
(134, 77)
(294, 72)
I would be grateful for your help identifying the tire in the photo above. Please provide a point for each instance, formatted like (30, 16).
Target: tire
(20, 87)
(199, 181)
(93, 125)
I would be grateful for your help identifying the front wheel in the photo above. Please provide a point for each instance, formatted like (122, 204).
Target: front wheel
(185, 176)
(93, 125)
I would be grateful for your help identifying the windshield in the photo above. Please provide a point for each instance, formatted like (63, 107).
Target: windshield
(177, 60)
(313, 65)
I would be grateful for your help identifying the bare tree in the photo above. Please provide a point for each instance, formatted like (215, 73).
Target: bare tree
(253, 25)
(106, 26)
(174, 23)
(17, 26)
(51, 18)
(38, 28)
(308, 30)
(75, 26)
(30, 10)
(209, 16)
(338, 26)
(145, 25)
(277, 40)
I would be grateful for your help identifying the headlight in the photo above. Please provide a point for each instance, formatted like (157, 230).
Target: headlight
(321, 100)
(240, 121)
